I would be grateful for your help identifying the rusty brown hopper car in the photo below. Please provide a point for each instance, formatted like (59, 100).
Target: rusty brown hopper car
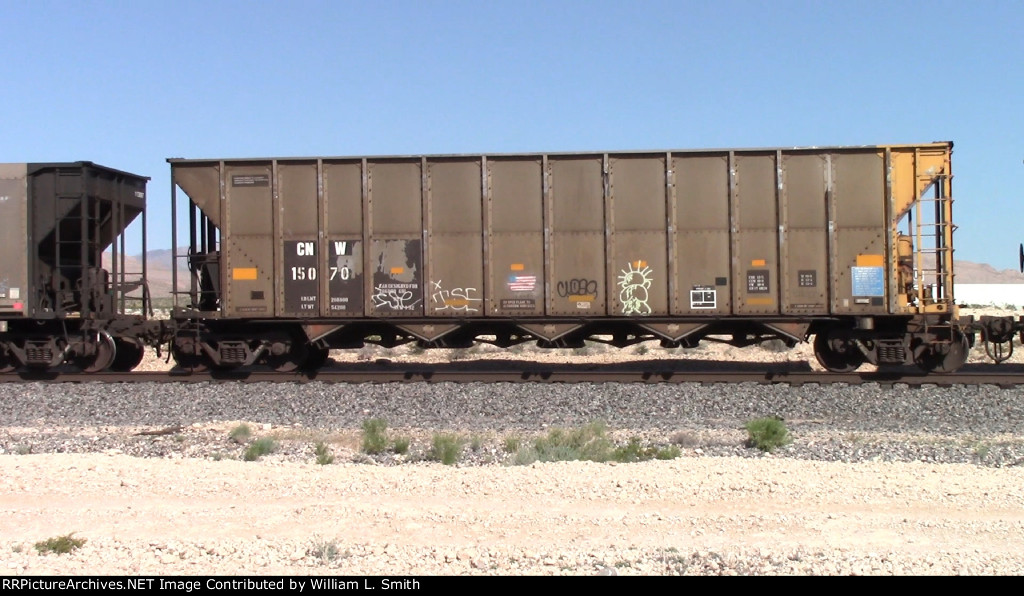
(293, 256)
(60, 300)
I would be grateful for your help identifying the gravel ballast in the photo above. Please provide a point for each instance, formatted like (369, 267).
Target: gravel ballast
(876, 480)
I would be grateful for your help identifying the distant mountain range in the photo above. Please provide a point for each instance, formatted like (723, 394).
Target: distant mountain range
(158, 264)
(983, 273)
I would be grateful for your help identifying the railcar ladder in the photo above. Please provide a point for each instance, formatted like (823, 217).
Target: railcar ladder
(75, 208)
(933, 231)
(203, 253)
(78, 258)
(126, 282)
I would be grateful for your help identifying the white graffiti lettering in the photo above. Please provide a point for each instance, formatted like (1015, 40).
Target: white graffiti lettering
(461, 299)
(394, 297)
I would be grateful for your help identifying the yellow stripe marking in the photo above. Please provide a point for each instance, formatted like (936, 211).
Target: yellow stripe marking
(870, 261)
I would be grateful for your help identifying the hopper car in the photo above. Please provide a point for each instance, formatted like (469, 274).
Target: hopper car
(66, 293)
(284, 259)
(291, 257)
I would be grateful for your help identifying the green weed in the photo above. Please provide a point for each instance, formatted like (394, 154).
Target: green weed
(446, 449)
(240, 433)
(767, 434)
(323, 454)
(60, 545)
(401, 445)
(633, 451)
(375, 437)
(513, 444)
(586, 443)
(259, 448)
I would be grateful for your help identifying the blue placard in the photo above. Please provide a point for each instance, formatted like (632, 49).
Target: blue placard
(868, 281)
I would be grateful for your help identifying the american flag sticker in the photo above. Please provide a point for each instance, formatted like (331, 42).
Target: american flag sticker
(522, 283)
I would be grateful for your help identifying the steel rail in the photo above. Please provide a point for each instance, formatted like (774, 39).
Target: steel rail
(1002, 376)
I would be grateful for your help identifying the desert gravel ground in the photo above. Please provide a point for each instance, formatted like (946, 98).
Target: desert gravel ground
(877, 481)
(690, 515)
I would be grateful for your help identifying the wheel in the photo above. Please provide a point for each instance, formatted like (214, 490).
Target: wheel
(291, 361)
(106, 351)
(941, 358)
(7, 364)
(129, 355)
(192, 362)
(316, 359)
(836, 354)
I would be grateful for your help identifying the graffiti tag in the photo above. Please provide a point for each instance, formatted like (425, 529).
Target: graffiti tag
(454, 299)
(394, 296)
(634, 281)
(577, 289)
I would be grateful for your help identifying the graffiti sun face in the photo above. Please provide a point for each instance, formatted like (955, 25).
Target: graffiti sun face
(636, 275)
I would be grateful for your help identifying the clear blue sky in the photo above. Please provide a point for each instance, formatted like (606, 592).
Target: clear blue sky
(130, 83)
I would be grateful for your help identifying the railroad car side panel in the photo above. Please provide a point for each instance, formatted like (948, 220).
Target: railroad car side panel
(577, 259)
(455, 224)
(14, 290)
(78, 212)
(300, 275)
(395, 280)
(921, 217)
(248, 231)
(516, 251)
(755, 240)
(343, 239)
(638, 254)
(804, 272)
(859, 247)
(701, 189)
(55, 202)
(201, 182)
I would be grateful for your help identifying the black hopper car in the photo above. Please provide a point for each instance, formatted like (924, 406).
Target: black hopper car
(65, 294)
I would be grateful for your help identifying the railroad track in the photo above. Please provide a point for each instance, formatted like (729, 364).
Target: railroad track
(1006, 376)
